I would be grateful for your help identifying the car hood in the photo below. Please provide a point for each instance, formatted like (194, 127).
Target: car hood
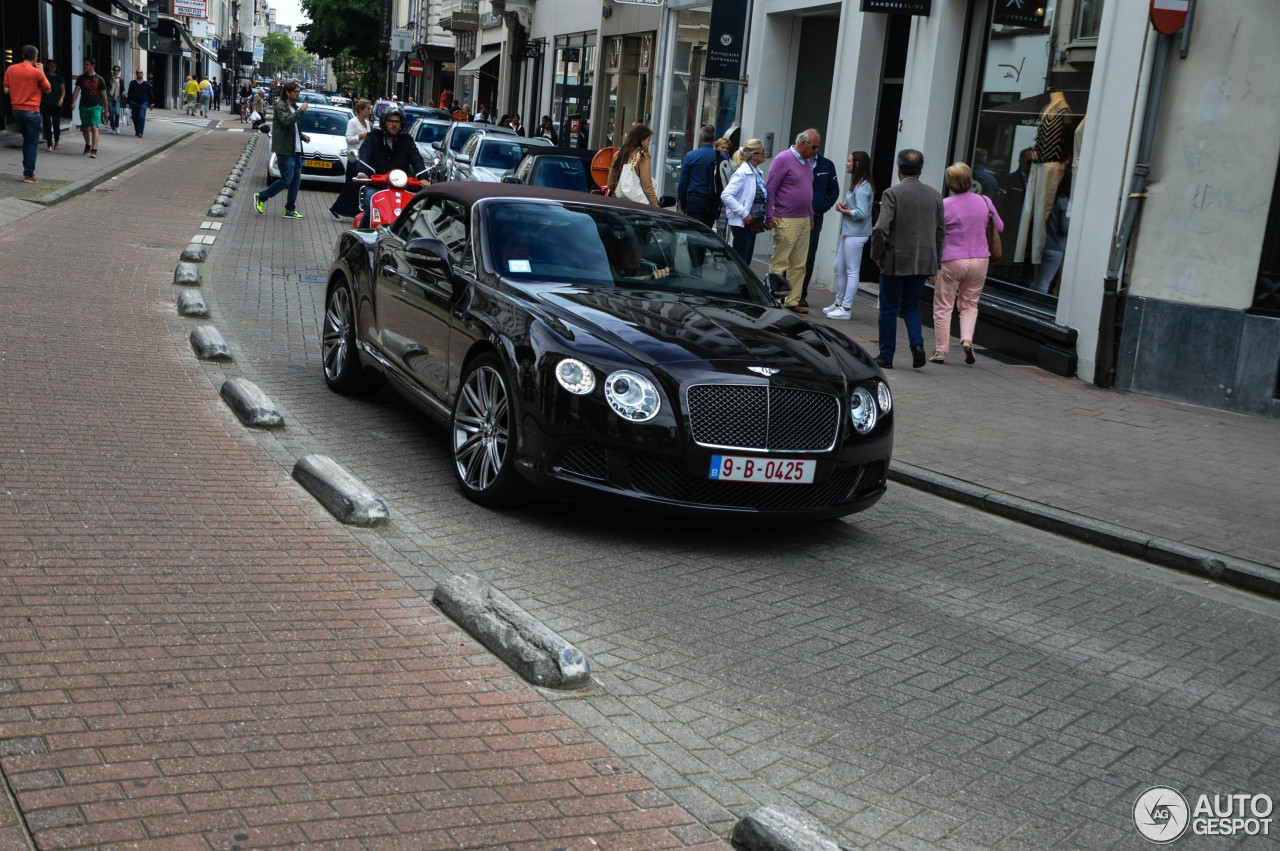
(323, 143)
(664, 330)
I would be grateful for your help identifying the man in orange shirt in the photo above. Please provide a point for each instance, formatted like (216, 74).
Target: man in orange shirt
(24, 83)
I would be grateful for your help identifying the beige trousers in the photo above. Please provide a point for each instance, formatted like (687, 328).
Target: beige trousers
(791, 253)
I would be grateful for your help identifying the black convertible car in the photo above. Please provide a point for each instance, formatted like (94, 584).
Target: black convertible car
(602, 350)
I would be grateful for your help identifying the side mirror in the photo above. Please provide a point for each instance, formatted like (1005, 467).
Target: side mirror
(435, 145)
(462, 158)
(666, 200)
(510, 178)
(779, 287)
(428, 252)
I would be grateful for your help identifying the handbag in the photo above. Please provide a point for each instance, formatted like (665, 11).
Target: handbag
(629, 183)
(993, 236)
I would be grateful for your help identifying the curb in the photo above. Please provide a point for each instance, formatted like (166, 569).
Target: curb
(1163, 552)
(513, 635)
(782, 829)
(82, 186)
(345, 496)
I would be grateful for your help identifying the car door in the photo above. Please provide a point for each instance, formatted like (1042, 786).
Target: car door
(463, 163)
(425, 295)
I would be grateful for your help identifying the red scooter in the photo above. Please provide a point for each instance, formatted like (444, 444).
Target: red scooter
(395, 189)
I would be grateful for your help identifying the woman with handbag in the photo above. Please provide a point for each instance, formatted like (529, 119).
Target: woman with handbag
(971, 222)
(347, 203)
(744, 198)
(855, 230)
(629, 175)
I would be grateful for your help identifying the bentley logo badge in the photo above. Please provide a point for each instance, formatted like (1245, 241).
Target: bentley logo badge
(766, 371)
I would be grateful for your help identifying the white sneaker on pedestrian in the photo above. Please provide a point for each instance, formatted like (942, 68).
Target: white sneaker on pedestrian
(838, 314)
(830, 308)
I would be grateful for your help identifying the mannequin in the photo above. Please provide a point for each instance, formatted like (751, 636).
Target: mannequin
(1053, 148)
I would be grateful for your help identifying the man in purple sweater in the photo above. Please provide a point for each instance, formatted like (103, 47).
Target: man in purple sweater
(789, 212)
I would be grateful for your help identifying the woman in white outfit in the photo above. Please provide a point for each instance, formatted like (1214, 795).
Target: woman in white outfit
(855, 230)
(744, 198)
(347, 204)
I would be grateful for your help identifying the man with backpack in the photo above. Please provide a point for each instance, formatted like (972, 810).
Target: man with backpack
(698, 192)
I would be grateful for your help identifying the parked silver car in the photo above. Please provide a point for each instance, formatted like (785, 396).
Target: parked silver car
(460, 132)
(486, 156)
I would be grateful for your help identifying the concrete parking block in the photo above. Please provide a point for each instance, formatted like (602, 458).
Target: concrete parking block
(195, 253)
(513, 635)
(208, 344)
(250, 404)
(191, 303)
(778, 828)
(187, 275)
(345, 496)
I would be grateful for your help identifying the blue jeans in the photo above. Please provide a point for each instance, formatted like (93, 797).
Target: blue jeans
(291, 179)
(29, 126)
(744, 242)
(900, 292)
(114, 107)
(139, 118)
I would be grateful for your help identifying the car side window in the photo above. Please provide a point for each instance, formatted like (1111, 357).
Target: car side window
(469, 149)
(444, 219)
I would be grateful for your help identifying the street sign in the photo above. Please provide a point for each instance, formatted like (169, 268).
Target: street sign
(1168, 16)
(415, 68)
(401, 41)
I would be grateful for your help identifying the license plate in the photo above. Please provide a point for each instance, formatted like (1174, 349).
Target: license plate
(317, 164)
(737, 468)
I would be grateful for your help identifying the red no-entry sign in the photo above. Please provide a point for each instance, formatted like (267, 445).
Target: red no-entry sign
(1168, 16)
(415, 67)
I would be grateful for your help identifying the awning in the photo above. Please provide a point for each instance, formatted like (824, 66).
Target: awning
(130, 11)
(86, 9)
(191, 42)
(487, 56)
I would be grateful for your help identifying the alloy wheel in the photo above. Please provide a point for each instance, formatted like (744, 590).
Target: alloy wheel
(335, 342)
(481, 430)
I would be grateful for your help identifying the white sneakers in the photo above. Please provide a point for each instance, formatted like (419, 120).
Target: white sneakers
(835, 311)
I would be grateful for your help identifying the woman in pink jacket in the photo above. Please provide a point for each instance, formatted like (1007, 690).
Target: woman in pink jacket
(964, 262)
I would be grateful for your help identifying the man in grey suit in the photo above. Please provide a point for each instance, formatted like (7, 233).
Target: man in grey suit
(907, 246)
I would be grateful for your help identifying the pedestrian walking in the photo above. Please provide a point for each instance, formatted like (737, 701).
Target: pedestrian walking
(696, 190)
(51, 105)
(855, 230)
(115, 99)
(204, 96)
(725, 148)
(965, 254)
(790, 213)
(140, 100)
(906, 243)
(446, 99)
(286, 143)
(549, 130)
(826, 192)
(190, 91)
(745, 198)
(215, 91)
(25, 83)
(517, 125)
(636, 184)
(91, 94)
(358, 127)
(258, 106)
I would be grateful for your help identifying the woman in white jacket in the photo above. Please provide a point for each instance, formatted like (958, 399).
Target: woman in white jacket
(744, 197)
(348, 201)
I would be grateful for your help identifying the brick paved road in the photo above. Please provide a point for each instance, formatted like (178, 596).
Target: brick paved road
(918, 676)
(192, 653)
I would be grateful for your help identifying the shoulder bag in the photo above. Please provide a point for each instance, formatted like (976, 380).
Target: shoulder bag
(629, 183)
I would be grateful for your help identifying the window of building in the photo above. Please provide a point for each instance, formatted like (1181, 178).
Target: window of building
(693, 101)
(1027, 138)
(575, 74)
(1088, 20)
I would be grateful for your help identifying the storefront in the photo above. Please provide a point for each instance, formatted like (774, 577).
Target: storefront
(628, 64)
(573, 81)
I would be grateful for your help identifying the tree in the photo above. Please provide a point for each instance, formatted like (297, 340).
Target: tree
(278, 51)
(349, 32)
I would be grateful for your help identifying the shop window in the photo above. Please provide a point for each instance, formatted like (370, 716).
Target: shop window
(693, 101)
(1027, 139)
(575, 58)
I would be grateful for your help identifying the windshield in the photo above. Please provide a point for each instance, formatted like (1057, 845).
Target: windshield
(460, 137)
(428, 132)
(329, 123)
(601, 246)
(501, 153)
(560, 173)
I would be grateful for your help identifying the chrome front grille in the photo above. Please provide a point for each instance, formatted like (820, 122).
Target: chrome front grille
(771, 419)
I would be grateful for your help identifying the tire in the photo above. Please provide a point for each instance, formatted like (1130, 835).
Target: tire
(343, 371)
(482, 435)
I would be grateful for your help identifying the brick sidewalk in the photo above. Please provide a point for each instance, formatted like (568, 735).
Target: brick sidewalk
(193, 654)
(1196, 475)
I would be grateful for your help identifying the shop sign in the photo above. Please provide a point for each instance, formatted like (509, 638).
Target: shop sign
(725, 39)
(1019, 13)
(462, 22)
(903, 7)
(191, 8)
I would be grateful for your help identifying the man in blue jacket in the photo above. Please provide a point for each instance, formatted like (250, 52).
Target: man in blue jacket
(826, 191)
(696, 191)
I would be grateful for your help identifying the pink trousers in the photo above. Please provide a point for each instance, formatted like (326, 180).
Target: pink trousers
(959, 284)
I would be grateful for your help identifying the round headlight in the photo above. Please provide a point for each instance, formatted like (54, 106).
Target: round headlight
(397, 178)
(884, 397)
(862, 410)
(575, 376)
(632, 396)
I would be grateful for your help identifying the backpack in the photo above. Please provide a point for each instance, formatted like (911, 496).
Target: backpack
(721, 174)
